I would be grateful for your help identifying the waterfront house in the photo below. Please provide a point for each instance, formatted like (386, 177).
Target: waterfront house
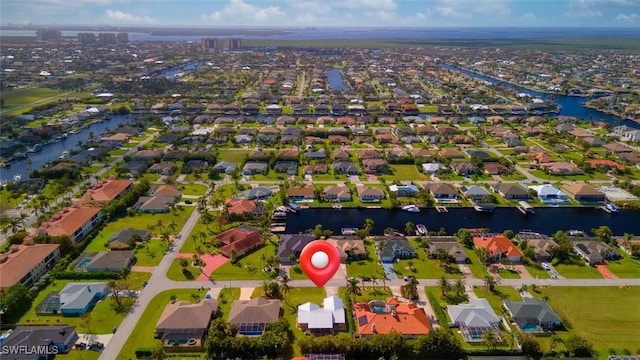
(474, 319)
(301, 193)
(476, 193)
(367, 194)
(349, 247)
(584, 193)
(548, 193)
(239, 241)
(256, 193)
(74, 222)
(498, 246)
(442, 192)
(251, 317)
(594, 251)
(404, 190)
(24, 264)
(532, 315)
(542, 245)
(240, 206)
(77, 298)
(290, 246)
(55, 339)
(392, 248)
(336, 194)
(182, 321)
(384, 317)
(321, 320)
(511, 191)
(448, 244)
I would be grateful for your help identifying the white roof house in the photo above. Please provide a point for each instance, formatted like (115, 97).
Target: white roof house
(431, 168)
(405, 189)
(328, 317)
(549, 193)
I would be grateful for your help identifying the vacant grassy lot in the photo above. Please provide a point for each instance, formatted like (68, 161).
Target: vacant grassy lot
(28, 97)
(101, 321)
(576, 268)
(626, 267)
(404, 172)
(234, 156)
(607, 316)
(142, 336)
(247, 268)
(193, 189)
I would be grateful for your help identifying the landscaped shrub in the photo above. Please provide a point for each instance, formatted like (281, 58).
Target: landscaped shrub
(143, 352)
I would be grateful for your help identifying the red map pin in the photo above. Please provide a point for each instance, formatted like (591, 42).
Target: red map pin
(320, 260)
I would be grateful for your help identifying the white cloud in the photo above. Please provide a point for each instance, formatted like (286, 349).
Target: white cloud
(584, 13)
(463, 9)
(121, 16)
(239, 12)
(529, 17)
(630, 17)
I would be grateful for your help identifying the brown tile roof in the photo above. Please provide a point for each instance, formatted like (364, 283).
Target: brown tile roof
(69, 220)
(15, 264)
(240, 206)
(185, 315)
(258, 310)
(108, 190)
(166, 190)
(240, 239)
(301, 191)
(581, 189)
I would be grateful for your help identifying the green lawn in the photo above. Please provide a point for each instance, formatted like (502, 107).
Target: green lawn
(247, 268)
(423, 267)
(151, 253)
(296, 273)
(366, 267)
(508, 274)
(24, 98)
(477, 268)
(369, 293)
(175, 271)
(79, 355)
(193, 189)
(299, 296)
(576, 268)
(537, 271)
(607, 316)
(142, 336)
(626, 267)
(235, 156)
(225, 300)
(9, 200)
(102, 320)
(495, 297)
(136, 279)
(404, 172)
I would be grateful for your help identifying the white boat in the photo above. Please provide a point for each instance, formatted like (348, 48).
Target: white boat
(421, 229)
(17, 178)
(337, 206)
(610, 208)
(411, 208)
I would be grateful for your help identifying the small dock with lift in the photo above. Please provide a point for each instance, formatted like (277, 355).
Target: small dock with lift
(442, 209)
(525, 208)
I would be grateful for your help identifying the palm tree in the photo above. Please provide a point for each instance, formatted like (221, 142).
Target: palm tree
(368, 226)
(284, 287)
(411, 289)
(374, 280)
(352, 288)
(363, 278)
(458, 287)
(160, 224)
(490, 339)
(522, 289)
(409, 228)
(384, 278)
(490, 282)
(444, 285)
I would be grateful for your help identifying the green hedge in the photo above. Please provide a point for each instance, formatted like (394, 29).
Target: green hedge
(143, 352)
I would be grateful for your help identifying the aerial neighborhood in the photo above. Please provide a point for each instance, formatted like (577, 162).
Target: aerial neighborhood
(157, 197)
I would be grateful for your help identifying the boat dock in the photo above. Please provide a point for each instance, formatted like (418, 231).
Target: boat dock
(525, 208)
(278, 227)
(441, 209)
(484, 207)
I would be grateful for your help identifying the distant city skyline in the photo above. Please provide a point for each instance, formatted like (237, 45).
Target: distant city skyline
(325, 13)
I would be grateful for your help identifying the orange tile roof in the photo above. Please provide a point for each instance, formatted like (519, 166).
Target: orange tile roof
(69, 220)
(167, 190)
(496, 244)
(15, 265)
(108, 190)
(408, 319)
(240, 206)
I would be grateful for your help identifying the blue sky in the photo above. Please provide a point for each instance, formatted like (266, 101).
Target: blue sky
(319, 13)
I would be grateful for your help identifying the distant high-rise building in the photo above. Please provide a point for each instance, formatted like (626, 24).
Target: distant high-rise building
(87, 38)
(209, 44)
(233, 44)
(123, 37)
(107, 38)
(45, 34)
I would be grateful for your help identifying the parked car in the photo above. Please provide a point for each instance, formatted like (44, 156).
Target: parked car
(188, 202)
(81, 346)
(546, 266)
(96, 346)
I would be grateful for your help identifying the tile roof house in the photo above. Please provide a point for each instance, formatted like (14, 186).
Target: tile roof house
(326, 319)
(391, 248)
(474, 319)
(240, 206)
(345, 167)
(256, 193)
(447, 243)
(115, 260)
(441, 192)
(498, 247)
(340, 154)
(384, 317)
(583, 193)
(366, 194)
(511, 191)
(315, 169)
(25, 264)
(121, 239)
(476, 193)
(240, 240)
(563, 168)
(226, 167)
(106, 191)
(542, 247)
(336, 193)
(77, 298)
(74, 222)
(594, 251)
(290, 246)
(164, 168)
(301, 193)
(183, 320)
(349, 247)
(55, 339)
(532, 315)
(154, 204)
(375, 166)
(252, 316)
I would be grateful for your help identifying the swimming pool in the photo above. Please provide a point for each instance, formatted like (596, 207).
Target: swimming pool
(532, 328)
(84, 263)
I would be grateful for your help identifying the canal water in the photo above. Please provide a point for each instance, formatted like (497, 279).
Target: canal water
(53, 151)
(546, 220)
(570, 105)
(335, 80)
